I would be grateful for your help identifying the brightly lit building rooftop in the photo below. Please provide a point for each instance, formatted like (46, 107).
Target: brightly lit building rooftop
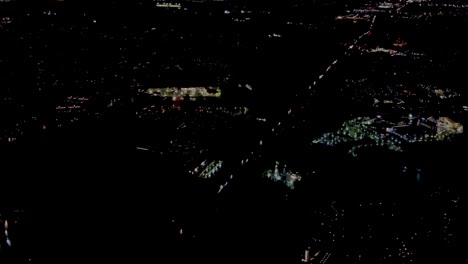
(192, 92)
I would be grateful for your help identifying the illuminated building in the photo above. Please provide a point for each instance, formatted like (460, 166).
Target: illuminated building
(287, 177)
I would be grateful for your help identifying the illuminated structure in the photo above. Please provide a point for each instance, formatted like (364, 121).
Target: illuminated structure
(377, 132)
(287, 177)
(211, 169)
(5, 236)
(306, 256)
(318, 257)
(447, 125)
(179, 93)
(207, 171)
(168, 5)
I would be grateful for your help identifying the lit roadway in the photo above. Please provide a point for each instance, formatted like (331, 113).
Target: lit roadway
(255, 153)
(403, 6)
(351, 47)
